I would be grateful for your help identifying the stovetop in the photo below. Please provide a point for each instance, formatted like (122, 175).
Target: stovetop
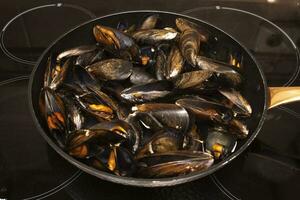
(268, 169)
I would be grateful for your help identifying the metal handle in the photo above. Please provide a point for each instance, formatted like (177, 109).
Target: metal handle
(283, 95)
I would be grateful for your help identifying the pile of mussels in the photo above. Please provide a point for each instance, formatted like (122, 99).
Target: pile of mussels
(143, 102)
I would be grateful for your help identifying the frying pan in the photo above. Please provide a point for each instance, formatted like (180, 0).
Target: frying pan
(260, 96)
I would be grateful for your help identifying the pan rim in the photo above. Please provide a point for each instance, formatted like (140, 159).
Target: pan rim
(142, 182)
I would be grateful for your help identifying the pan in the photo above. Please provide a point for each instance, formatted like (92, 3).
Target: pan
(260, 96)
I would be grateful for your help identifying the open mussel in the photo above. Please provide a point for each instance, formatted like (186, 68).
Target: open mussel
(55, 74)
(147, 55)
(193, 140)
(53, 108)
(147, 92)
(174, 163)
(115, 159)
(220, 143)
(161, 142)
(82, 143)
(111, 69)
(98, 105)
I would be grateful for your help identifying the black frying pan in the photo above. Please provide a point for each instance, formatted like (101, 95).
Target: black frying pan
(256, 91)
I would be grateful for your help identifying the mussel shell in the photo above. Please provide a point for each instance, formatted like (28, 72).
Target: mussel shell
(194, 79)
(174, 163)
(150, 22)
(147, 55)
(49, 67)
(124, 128)
(160, 65)
(52, 106)
(115, 159)
(112, 37)
(238, 128)
(242, 106)
(219, 142)
(189, 44)
(76, 51)
(79, 81)
(75, 115)
(183, 24)
(139, 76)
(175, 63)
(207, 110)
(111, 69)
(60, 74)
(161, 142)
(122, 26)
(153, 36)
(89, 58)
(147, 92)
(193, 140)
(227, 74)
(169, 115)
(96, 105)
(96, 135)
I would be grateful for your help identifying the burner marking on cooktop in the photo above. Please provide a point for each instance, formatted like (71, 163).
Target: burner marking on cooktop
(57, 5)
(223, 188)
(57, 188)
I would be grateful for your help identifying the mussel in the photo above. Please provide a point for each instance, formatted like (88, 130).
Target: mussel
(147, 92)
(97, 106)
(76, 51)
(194, 79)
(207, 110)
(241, 105)
(169, 115)
(227, 74)
(160, 65)
(174, 163)
(111, 69)
(174, 64)
(89, 58)
(161, 142)
(219, 143)
(183, 25)
(189, 44)
(52, 106)
(153, 36)
(115, 159)
(139, 76)
(150, 22)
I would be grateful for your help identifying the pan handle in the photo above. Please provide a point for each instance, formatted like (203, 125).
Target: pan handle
(283, 95)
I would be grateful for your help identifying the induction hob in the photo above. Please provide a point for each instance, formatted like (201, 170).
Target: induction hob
(269, 169)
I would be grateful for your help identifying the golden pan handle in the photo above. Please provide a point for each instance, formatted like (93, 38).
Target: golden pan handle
(283, 95)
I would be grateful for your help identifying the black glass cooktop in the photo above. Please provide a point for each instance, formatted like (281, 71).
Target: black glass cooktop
(268, 169)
